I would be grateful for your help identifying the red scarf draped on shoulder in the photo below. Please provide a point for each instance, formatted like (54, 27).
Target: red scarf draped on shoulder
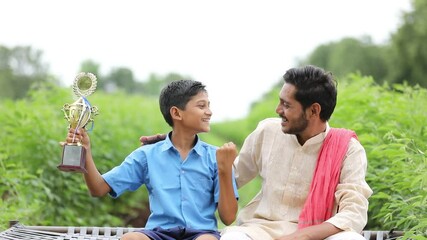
(319, 204)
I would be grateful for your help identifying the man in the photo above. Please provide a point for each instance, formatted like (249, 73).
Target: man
(313, 177)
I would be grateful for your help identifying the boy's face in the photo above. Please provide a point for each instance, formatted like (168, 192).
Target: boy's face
(197, 113)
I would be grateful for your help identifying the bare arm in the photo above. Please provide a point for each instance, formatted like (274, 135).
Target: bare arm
(316, 232)
(94, 181)
(227, 205)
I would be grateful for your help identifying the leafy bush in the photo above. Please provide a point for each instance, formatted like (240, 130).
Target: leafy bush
(390, 124)
(30, 153)
(17, 200)
(389, 120)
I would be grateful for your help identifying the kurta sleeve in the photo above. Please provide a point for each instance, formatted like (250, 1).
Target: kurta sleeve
(352, 193)
(249, 162)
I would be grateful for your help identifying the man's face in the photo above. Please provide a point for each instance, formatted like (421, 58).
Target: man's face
(294, 119)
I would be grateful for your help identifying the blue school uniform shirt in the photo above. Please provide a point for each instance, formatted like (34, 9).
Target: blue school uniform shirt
(181, 192)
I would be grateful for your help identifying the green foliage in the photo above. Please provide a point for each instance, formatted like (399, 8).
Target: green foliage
(389, 121)
(390, 124)
(229, 131)
(122, 79)
(30, 153)
(351, 55)
(93, 67)
(154, 84)
(17, 200)
(408, 52)
(20, 69)
(402, 59)
(265, 108)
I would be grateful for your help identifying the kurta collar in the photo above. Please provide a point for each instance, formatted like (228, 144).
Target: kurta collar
(316, 139)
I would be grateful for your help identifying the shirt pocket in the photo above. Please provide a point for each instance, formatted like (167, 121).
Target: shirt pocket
(170, 183)
(201, 184)
(202, 192)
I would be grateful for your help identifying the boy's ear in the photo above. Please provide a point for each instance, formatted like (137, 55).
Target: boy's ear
(175, 113)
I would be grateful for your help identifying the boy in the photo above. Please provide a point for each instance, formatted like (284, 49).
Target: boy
(187, 179)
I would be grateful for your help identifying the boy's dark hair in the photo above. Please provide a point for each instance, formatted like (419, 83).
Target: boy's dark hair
(178, 94)
(314, 85)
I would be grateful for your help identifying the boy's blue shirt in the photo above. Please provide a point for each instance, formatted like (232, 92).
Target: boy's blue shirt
(181, 193)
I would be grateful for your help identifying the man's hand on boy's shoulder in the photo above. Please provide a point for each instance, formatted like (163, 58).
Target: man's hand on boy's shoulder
(145, 140)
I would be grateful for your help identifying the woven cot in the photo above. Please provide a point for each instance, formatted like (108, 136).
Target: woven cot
(19, 231)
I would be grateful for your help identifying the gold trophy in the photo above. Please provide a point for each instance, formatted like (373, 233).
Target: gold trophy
(78, 115)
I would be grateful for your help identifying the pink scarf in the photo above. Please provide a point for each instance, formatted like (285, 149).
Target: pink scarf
(319, 204)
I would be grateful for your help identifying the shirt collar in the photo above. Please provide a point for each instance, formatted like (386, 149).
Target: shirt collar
(167, 144)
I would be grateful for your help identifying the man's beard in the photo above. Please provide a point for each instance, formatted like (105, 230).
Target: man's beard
(297, 126)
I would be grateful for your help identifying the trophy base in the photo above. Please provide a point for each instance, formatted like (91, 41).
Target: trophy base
(73, 159)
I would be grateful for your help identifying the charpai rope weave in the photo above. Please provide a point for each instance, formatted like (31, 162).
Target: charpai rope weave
(19, 231)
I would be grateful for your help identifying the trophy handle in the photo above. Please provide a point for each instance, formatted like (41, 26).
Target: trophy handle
(66, 108)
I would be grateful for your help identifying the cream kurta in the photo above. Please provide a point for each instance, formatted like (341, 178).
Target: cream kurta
(286, 169)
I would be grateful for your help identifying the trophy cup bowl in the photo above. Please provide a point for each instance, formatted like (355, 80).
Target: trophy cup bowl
(78, 114)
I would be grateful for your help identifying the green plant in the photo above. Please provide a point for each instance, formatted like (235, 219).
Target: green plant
(388, 119)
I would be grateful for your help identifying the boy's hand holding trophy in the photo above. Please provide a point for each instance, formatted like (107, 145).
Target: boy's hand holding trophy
(78, 114)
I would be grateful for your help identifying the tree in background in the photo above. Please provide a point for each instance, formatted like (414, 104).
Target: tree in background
(92, 67)
(155, 83)
(408, 50)
(120, 78)
(20, 69)
(350, 55)
(404, 59)
(123, 79)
